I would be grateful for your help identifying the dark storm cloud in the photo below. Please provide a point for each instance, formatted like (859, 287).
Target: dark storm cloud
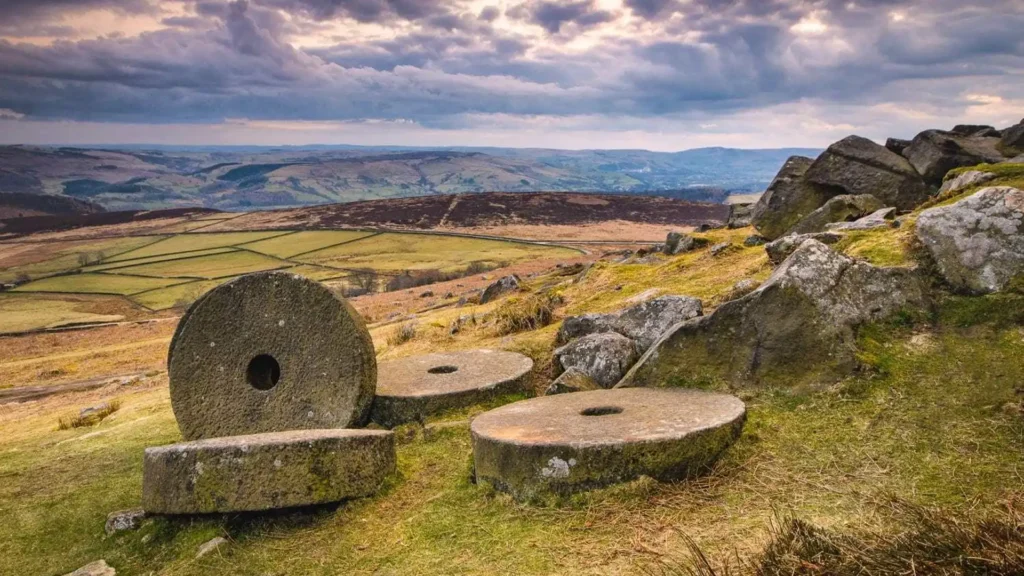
(237, 59)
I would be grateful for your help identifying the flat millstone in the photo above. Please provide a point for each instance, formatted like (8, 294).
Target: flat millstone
(234, 339)
(265, 471)
(572, 442)
(411, 389)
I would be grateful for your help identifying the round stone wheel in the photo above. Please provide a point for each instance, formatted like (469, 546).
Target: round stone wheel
(411, 389)
(265, 471)
(572, 442)
(270, 352)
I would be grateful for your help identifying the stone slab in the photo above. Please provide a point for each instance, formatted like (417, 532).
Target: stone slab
(265, 471)
(571, 442)
(411, 389)
(269, 352)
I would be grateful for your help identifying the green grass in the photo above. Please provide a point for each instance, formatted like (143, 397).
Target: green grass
(300, 242)
(194, 242)
(118, 264)
(96, 284)
(316, 272)
(67, 255)
(22, 312)
(180, 294)
(214, 266)
(394, 251)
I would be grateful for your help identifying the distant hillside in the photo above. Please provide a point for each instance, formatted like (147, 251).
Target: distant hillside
(253, 178)
(23, 204)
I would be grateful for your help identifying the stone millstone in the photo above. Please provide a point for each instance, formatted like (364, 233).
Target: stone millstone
(270, 352)
(265, 471)
(411, 389)
(571, 442)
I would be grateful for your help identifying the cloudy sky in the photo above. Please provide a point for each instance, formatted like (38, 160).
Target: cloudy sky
(656, 74)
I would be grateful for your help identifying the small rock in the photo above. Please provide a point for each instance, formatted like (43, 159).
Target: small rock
(779, 250)
(97, 568)
(210, 546)
(500, 286)
(448, 295)
(706, 226)
(572, 380)
(605, 357)
(1015, 160)
(969, 178)
(754, 240)
(427, 294)
(720, 248)
(578, 326)
(678, 242)
(122, 520)
(462, 301)
(883, 218)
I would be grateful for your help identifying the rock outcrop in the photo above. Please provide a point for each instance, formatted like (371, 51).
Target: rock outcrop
(897, 145)
(740, 215)
(788, 199)
(977, 243)
(856, 165)
(780, 249)
(647, 321)
(678, 242)
(935, 152)
(975, 130)
(969, 178)
(842, 208)
(500, 286)
(575, 327)
(883, 218)
(604, 357)
(798, 327)
(1012, 140)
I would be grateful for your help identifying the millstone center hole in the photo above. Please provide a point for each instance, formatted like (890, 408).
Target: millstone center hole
(601, 411)
(263, 372)
(443, 369)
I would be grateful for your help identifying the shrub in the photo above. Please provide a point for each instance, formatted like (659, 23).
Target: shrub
(402, 334)
(518, 314)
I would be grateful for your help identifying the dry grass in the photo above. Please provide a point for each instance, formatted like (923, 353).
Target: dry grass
(89, 417)
(522, 313)
(404, 333)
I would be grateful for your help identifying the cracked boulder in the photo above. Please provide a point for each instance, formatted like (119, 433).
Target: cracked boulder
(798, 327)
(935, 152)
(965, 180)
(604, 357)
(842, 208)
(977, 243)
(858, 166)
(643, 322)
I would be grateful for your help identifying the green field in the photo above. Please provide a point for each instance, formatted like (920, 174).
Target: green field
(158, 272)
(395, 251)
(301, 242)
(216, 266)
(96, 283)
(21, 312)
(194, 242)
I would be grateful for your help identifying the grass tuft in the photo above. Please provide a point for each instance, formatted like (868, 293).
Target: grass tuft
(402, 334)
(90, 417)
(531, 312)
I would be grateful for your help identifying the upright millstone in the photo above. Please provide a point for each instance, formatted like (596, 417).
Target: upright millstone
(410, 389)
(571, 442)
(270, 352)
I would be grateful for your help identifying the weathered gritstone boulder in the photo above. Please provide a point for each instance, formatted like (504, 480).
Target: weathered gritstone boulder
(978, 242)
(780, 249)
(605, 357)
(798, 327)
(1015, 160)
(647, 321)
(935, 152)
(897, 145)
(572, 442)
(740, 215)
(975, 130)
(572, 380)
(965, 180)
(754, 240)
(842, 208)
(884, 218)
(270, 352)
(411, 389)
(788, 199)
(1012, 140)
(577, 326)
(265, 471)
(858, 166)
(97, 568)
(678, 242)
(500, 286)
